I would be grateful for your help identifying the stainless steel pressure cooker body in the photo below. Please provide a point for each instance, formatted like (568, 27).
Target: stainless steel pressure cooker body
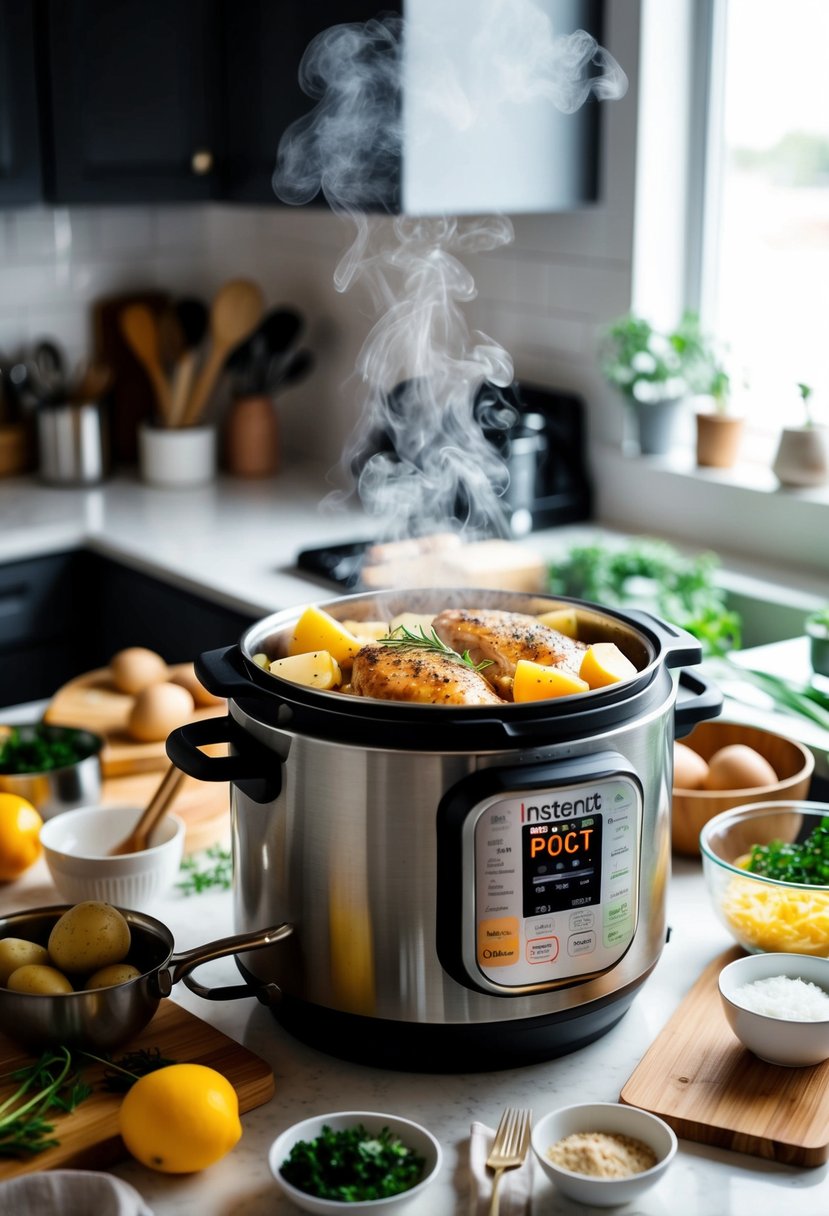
(470, 887)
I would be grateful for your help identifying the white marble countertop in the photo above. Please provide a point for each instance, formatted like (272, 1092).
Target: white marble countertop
(702, 1180)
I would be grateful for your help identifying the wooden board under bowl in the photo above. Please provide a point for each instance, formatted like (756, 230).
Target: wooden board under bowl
(91, 701)
(699, 1078)
(88, 1136)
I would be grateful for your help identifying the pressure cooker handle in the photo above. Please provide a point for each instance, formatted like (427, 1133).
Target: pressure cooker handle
(702, 700)
(187, 961)
(255, 770)
(680, 646)
(223, 673)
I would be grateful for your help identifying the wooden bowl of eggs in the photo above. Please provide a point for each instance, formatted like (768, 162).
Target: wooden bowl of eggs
(721, 765)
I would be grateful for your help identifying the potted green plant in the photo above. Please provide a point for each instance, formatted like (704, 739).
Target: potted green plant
(718, 428)
(802, 457)
(647, 367)
(817, 631)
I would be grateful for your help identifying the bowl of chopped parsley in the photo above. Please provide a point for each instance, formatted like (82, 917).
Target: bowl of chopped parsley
(767, 870)
(360, 1161)
(56, 768)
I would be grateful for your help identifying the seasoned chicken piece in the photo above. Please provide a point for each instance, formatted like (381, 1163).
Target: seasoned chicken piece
(504, 638)
(392, 673)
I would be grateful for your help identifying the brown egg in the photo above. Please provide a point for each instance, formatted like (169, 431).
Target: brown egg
(185, 675)
(158, 710)
(738, 767)
(136, 668)
(690, 770)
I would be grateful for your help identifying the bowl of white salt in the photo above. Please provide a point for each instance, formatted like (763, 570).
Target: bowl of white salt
(778, 1006)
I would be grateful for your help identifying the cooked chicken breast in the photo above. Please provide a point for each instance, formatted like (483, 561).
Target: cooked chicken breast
(394, 674)
(504, 638)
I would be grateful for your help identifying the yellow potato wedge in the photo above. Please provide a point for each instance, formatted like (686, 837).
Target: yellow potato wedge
(316, 630)
(562, 619)
(536, 682)
(414, 621)
(604, 664)
(314, 669)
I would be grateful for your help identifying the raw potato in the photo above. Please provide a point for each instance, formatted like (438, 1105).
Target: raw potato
(537, 682)
(367, 631)
(317, 631)
(690, 770)
(319, 669)
(45, 981)
(604, 664)
(185, 675)
(16, 952)
(115, 973)
(89, 936)
(737, 767)
(136, 668)
(158, 710)
(565, 620)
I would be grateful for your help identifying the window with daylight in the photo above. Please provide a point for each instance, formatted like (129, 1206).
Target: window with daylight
(765, 280)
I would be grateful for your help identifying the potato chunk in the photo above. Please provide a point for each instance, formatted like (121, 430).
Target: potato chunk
(604, 664)
(316, 631)
(537, 682)
(318, 669)
(564, 620)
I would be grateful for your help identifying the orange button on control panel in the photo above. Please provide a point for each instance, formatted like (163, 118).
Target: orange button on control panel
(498, 944)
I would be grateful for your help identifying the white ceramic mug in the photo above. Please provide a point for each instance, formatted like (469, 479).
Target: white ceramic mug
(180, 456)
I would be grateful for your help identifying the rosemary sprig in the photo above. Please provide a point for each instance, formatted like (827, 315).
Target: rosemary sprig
(407, 639)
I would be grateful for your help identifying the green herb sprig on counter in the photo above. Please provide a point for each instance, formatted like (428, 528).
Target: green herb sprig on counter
(804, 700)
(53, 1082)
(353, 1165)
(408, 639)
(651, 574)
(807, 862)
(203, 871)
(37, 751)
(121, 1074)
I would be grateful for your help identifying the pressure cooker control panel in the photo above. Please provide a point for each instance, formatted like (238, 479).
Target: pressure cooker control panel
(546, 859)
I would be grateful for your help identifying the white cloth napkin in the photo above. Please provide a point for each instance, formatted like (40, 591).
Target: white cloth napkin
(70, 1193)
(516, 1185)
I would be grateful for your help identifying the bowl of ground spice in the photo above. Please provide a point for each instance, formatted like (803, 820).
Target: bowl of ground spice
(603, 1153)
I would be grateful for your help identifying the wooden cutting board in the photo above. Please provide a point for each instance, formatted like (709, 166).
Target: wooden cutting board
(701, 1080)
(89, 1136)
(92, 702)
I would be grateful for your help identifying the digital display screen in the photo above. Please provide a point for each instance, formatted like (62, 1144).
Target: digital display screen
(561, 865)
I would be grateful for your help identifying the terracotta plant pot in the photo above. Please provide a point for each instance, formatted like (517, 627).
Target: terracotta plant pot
(718, 440)
(802, 457)
(252, 437)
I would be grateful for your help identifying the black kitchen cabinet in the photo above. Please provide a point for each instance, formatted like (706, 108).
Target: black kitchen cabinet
(264, 42)
(133, 99)
(20, 146)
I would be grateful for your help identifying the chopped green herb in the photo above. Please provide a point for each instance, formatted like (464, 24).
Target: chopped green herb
(40, 749)
(352, 1165)
(201, 876)
(407, 639)
(121, 1074)
(804, 863)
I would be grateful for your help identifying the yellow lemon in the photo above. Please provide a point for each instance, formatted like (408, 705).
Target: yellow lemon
(20, 844)
(180, 1119)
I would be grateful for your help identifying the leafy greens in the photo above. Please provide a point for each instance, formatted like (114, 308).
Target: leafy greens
(352, 1165)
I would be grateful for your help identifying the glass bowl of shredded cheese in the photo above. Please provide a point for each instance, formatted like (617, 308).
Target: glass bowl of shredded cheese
(603, 1153)
(778, 1007)
(767, 871)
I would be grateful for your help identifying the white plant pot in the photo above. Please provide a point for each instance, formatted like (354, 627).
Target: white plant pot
(178, 456)
(802, 456)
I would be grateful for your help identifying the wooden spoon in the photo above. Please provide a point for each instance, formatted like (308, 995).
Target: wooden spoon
(138, 838)
(138, 325)
(235, 313)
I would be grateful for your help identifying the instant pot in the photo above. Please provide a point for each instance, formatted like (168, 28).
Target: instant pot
(469, 887)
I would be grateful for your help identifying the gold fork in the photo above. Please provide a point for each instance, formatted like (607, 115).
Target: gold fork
(509, 1148)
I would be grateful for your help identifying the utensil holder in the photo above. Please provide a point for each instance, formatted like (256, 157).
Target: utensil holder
(251, 438)
(177, 457)
(73, 444)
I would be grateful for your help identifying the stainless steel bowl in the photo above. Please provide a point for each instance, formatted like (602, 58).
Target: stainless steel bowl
(59, 789)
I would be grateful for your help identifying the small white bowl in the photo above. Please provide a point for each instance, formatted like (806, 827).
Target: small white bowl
(603, 1117)
(76, 844)
(411, 1134)
(784, 1041)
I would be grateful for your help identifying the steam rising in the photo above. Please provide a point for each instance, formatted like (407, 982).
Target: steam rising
(422, 368)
